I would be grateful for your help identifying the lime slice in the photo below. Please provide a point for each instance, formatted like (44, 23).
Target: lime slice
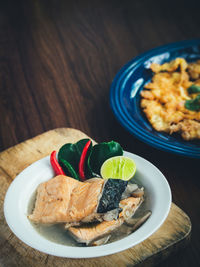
(118, 167)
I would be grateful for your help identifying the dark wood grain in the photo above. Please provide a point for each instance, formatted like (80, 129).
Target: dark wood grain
(57, 61)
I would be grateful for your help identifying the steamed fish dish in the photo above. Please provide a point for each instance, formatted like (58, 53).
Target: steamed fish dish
(81, 200)
(105, 203)
(63, 199)
(171, 101)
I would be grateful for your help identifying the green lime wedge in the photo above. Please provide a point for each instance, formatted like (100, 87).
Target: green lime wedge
(118, 167)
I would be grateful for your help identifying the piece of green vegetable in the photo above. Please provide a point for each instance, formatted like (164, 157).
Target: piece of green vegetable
(101, 152)
(68, 169)
(68, 152)
(193, 104)
(81, 144)
(72, 153)
(69, 157)
(193, 89)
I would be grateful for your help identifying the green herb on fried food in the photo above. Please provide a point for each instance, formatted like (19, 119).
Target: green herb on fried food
(193, 89)
(193, 104)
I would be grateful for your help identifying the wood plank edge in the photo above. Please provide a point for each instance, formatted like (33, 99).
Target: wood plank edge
(170, 249)
(59, 130)
(163, 254)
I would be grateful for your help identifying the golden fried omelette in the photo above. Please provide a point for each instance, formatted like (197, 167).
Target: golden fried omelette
(164, 99)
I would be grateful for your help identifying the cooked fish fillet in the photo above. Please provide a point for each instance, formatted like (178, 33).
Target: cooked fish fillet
(89, 233)
(101, 241)
(64, 199)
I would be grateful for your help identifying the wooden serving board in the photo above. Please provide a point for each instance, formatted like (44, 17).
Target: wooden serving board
(172, 234)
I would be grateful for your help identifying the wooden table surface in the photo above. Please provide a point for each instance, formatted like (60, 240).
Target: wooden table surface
(57, 61)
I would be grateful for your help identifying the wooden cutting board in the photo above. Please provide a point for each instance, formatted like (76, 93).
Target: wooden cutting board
(173, 234)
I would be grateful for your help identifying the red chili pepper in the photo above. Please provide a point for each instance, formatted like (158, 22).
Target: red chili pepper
(82, 160)
(54, 163)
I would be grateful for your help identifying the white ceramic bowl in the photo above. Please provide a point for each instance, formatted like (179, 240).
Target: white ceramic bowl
(18, 195)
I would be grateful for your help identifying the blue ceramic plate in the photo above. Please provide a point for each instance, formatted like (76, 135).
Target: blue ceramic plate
(125, 97)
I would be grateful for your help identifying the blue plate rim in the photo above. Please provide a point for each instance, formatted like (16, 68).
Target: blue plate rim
(123, 116)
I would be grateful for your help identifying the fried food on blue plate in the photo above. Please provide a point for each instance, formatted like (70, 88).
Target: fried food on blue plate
(171, 101)
(194, 70)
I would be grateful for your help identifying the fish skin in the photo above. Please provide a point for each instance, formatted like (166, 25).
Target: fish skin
(111, 196)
